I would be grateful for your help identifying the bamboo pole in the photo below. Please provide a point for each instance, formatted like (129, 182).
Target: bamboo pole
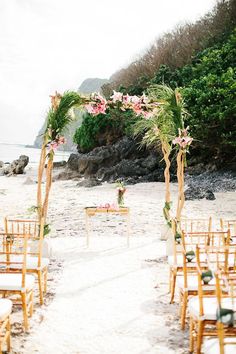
(166, 154)
(180, 177)
(40, 178)
(48, 185)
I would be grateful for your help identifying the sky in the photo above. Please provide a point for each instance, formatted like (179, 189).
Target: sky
(48, 45)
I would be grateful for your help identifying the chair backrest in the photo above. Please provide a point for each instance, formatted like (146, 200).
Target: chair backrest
(196, 225)
(227, 224)
(211, 259)
(226, 320)
(212, 238)
(33, 228)
(13, 254)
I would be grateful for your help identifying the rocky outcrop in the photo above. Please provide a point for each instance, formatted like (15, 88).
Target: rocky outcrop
(123, 160)
(17, 167)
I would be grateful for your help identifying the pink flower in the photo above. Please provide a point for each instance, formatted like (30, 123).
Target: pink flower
(117, 96)
(135, 100)
(53, 146)
(183, 140)
(127, 99)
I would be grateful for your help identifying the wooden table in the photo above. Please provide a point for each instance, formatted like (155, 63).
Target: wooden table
(92, 211)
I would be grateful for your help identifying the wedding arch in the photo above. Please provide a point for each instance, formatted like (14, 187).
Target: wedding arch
(162, 123)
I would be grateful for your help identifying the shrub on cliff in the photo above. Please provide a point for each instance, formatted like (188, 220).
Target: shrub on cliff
(103, 129)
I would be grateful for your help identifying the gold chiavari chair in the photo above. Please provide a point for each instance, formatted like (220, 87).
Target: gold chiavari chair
(188, 282)
(5, 325)
(227, 224)
(13, 277)
(202, 308)
(35, 262)
(176, 260)
(194, 225)
(226, 320)
(216, 238)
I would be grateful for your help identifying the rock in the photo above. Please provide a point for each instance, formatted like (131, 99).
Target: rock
(210, 195)
(1, 164)
(193, 193)
(88, 183)
(17, 166)
(58, 164)
(2, 172)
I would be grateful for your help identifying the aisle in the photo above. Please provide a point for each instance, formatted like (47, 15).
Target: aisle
(104, 301)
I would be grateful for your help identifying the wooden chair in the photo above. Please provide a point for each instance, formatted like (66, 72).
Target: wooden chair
(226, 316)
(195, 225)
(227, 224)
(203, 308)
(5, 325)
(35, 262)
(13, 277)
(193, 239)
(188, 283)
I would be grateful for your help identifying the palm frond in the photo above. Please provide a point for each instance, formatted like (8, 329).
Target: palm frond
(59, 118)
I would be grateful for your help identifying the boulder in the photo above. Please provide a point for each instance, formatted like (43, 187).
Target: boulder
(17, 166)
(210, 195)
(193, 193)
(88, 183)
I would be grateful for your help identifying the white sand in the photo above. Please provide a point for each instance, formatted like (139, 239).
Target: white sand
(109, 299)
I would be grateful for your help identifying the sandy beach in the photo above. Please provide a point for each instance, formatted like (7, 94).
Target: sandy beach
(108, 298)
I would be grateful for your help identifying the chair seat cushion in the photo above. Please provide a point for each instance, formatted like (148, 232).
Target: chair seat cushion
(31, 262)
(192, 282)
(5, 308)
(209, 306)
(211, 346)
(13, 282)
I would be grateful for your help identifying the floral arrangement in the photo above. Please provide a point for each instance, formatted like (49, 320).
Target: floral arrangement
(108, 206)
(184, 140)
(140, 105)
(54, 144)
(121, 189)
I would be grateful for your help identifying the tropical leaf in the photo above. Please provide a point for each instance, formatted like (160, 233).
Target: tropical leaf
(59, 118)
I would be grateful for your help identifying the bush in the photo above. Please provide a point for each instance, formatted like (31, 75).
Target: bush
(103, 129)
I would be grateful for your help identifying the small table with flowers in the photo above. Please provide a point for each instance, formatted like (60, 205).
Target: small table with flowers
(92, 211)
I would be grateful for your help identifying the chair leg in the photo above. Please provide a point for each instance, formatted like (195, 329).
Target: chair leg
(184, 308)
(24, 308)
(31, 303)
(191, 336)
(8, 328)
(220, 331)
(170, 280)
(200, 329)
(40, 287)
(45, 280)
(173, 282)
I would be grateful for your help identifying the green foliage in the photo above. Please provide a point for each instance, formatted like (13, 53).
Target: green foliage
(209, 90)
(103, 129)
(58, 120)
(170, 114)
(211, 97)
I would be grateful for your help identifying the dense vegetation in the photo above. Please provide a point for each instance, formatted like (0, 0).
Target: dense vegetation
(103, 129)
(201, 59)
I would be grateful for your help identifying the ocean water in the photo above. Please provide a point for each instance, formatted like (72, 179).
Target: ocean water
(10, 152)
